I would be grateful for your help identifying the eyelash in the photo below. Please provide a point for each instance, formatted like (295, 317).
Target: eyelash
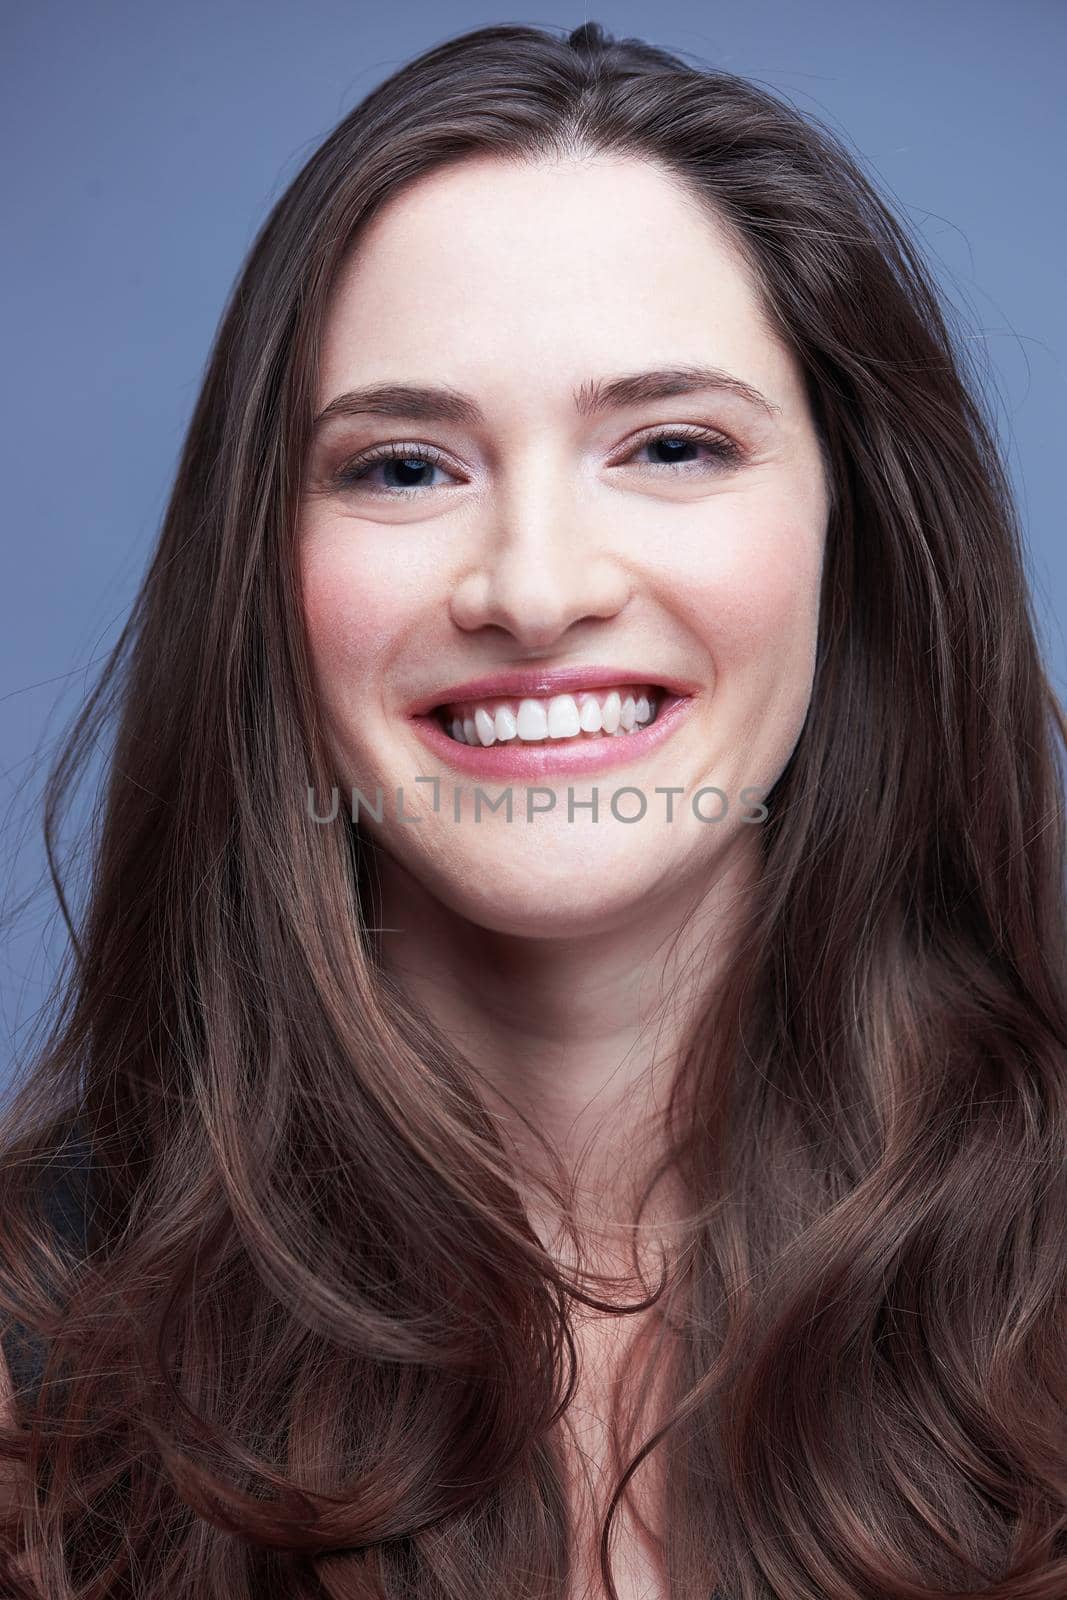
(728, 453)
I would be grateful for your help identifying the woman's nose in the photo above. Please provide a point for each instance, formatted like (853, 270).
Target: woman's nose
(538, 573)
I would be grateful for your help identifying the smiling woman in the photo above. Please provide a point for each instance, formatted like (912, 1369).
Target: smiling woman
(636, 1160)
(651, 511)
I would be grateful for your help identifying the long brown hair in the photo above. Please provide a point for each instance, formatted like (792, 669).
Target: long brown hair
(314, 1346)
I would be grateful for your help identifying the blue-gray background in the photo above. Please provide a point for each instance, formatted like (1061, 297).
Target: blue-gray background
(145, 143)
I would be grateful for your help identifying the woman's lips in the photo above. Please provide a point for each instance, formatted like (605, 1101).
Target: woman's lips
(545, 758)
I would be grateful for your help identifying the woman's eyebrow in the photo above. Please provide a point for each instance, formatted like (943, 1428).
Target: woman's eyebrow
(422, 403)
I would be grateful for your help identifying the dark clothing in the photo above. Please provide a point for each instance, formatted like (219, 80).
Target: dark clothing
(65, 1200)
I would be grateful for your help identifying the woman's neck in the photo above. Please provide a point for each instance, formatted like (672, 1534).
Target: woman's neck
(581, 1031)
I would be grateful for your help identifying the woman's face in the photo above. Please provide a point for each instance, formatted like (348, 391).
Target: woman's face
(667, 539)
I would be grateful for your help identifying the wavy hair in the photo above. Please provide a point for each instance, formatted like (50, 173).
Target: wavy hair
(314, 1346)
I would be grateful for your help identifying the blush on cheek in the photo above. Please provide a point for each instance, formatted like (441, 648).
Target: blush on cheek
(344, 627)
(745, 572)
(769, 601)
(748, 621)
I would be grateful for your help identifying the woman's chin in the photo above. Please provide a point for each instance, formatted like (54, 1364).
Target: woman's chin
(535, 893)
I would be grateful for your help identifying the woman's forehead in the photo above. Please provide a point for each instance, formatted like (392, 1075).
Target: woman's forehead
(567, 286)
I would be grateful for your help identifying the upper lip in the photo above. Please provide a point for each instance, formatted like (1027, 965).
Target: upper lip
(538, 681)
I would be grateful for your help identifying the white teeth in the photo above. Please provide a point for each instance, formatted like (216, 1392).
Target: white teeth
(590, 716)
(563, 719)
(532, 720)
(563, 716)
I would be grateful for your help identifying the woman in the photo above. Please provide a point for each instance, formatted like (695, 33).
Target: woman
(652, 1182)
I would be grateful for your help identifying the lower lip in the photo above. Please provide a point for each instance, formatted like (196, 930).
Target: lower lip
(513, 759)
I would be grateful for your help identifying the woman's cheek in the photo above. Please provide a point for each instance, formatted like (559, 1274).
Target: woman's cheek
(350, 611)
(750, 585)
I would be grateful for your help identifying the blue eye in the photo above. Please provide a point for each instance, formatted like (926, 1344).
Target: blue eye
(724, 450)
(409, 460)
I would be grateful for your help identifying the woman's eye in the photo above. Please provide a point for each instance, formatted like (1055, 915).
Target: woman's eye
(725, 452)
(408, 465)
